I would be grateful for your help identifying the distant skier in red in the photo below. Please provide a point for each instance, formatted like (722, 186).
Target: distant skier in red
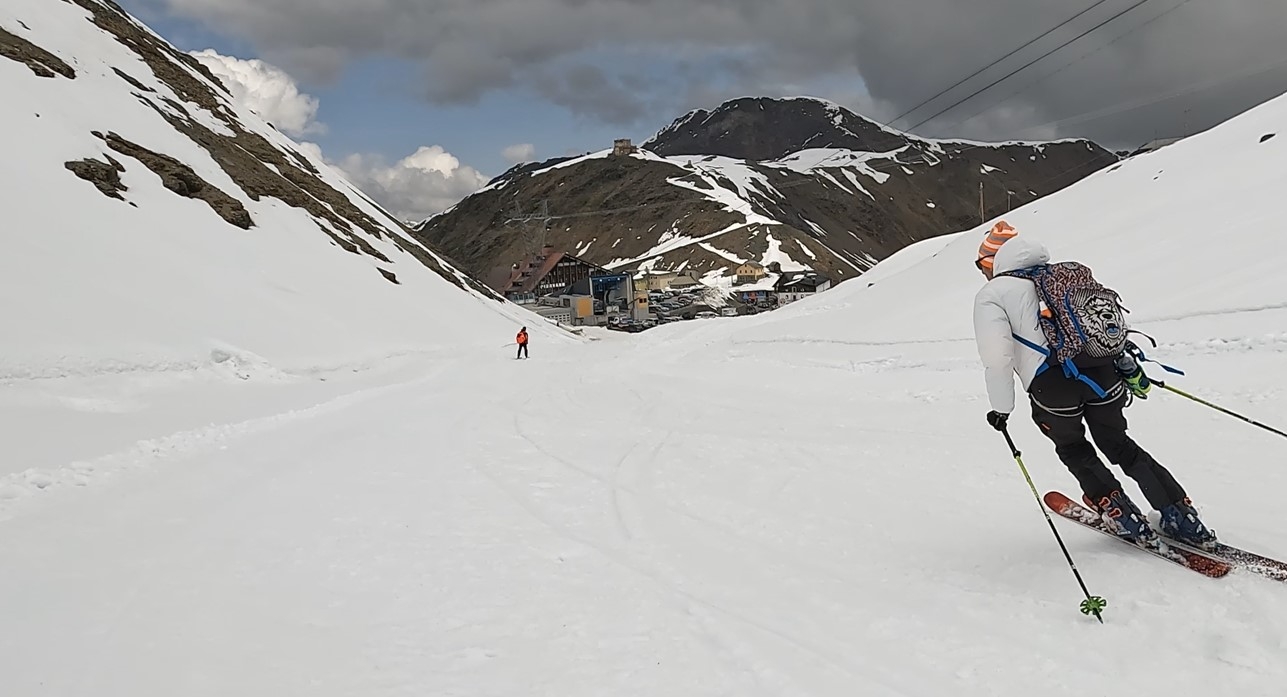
(522, 343)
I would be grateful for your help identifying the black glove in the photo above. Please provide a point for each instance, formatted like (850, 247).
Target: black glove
(997, 420)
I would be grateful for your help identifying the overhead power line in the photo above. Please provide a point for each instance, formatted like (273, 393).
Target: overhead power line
(1117, 108)
(980, 71)
(1027, 65)
(1210, 83)
(1066, 66)
(993, 84)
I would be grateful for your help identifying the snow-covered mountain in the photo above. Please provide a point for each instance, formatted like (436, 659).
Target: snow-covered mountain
(802, 182)
(151, 224)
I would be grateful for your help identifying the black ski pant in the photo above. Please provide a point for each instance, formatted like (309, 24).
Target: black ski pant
(522, 350)
(1065, 408)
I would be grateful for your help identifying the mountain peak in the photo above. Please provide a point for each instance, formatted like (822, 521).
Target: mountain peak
(769, 128)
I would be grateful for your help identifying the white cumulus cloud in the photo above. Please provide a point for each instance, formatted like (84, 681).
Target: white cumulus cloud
(267, 90)
(426, 182)
(519, 152)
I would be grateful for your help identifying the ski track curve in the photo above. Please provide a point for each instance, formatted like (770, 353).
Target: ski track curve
(656, 551)
(26, 487)
(616, 493)
(753, 549)
(893, 684)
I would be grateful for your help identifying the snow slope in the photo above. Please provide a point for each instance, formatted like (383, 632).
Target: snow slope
(805, 502)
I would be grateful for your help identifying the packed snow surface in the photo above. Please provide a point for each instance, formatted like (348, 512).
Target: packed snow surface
(805, 502)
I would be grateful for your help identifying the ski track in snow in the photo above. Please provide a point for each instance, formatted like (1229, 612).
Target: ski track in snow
(17, 487)
(893, 681)
(682, 601)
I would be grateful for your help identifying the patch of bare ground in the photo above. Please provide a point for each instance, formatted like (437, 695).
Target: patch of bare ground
(182, 180)
(41, 62)
(105, 176)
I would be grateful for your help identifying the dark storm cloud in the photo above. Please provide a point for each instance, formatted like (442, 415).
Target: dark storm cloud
(587, 90)
(677, 51)
(1154, 51)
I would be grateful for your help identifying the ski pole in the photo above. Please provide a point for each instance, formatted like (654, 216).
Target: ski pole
(1218, 408)
(1093, 604)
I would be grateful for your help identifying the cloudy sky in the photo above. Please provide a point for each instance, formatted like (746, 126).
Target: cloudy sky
(420, 101)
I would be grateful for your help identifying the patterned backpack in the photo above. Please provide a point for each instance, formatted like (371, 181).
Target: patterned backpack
(1080, 318)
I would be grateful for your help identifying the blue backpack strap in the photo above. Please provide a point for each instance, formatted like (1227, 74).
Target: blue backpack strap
(1068, 309)
(1070, 370)
(1035, 347)
(1138, 354)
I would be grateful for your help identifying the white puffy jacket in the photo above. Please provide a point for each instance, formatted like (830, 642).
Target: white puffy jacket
(1006, 306)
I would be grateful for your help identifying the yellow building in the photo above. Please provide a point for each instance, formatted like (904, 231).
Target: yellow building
(659, 280)
(750, 272)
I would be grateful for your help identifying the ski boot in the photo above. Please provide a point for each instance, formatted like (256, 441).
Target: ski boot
(1180, 521)
(1125, 519)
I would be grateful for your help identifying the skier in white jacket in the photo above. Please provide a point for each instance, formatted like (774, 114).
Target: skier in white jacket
(1007, 309)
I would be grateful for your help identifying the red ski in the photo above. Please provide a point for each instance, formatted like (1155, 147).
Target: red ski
(1241, 558)
(1200, 562)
